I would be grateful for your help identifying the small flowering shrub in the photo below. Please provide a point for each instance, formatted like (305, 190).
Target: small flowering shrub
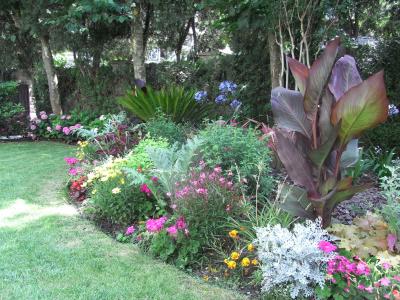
(350, 277)
(227, 96)
(119, 198)
(294, 258)
(239, 150)
(59, 127)
(206, 199)
(170, 240)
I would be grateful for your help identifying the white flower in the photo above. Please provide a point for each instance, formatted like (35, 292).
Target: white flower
(116, 190)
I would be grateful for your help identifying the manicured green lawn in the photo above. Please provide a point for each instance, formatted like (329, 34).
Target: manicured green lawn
(47, 251)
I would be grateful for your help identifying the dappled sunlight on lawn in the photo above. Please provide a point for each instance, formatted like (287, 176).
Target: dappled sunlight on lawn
(20, 213)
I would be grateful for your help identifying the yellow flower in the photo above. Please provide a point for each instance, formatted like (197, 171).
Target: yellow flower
(122, 181)
(233, 233)
(231, 264)
(250, 247)
(254, 262)
(226, 261)
(205, 277)
(116, 190)
(235, 255)
(94, 192)
(245, 262)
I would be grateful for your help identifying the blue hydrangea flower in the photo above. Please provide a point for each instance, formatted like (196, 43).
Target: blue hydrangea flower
(227, 86)
(200, 96)
(393, 110)
(220, 99)
(235, 103)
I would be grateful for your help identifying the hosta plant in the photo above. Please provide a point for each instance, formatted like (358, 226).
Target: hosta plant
(318, 127)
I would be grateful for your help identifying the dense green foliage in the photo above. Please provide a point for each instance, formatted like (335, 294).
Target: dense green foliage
(11, 112)
(163, 127)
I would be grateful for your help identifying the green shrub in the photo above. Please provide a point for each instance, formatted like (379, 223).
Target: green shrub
(173, 101)
(119, 202)
(237, 149)
(11, 113)
(162, 126)
(139, 158)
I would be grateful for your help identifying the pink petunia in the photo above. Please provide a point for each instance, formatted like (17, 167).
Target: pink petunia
(172, 231)
(58, 127)
(180, 223)
(71, 160)
(130, 230)
(386, 265)
(73, 171)
(384, 281)
(396, 277)
(155, 225)
(326, 246)
(44, 116)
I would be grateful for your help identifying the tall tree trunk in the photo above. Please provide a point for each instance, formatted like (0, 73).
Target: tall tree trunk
(32, 100)
(52, 78)
(181, 40)
(194, 38)
(274, 60)
(138, 42)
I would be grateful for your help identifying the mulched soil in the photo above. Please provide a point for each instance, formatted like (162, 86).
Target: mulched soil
(369, 200)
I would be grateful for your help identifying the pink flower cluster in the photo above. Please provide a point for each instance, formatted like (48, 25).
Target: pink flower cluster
(71, 160)
(341, 264)
(155, 225)
(326, 246)
(180, 224)
(145, 189)
(198, 182)
(67, 130)
(43, 115)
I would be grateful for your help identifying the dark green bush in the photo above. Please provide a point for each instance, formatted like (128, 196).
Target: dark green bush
(163, 127)
(11, 113)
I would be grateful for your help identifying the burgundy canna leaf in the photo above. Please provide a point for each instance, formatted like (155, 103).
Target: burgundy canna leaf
(344, 76)
(299, 72)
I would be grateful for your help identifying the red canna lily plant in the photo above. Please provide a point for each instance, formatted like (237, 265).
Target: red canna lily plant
(317, 129)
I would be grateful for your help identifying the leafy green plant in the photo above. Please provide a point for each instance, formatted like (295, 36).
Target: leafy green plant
(173, 101)
(391, 189)
(380, 160)
(239, 150)
(11, 113)
(318, 127)
(161, 126)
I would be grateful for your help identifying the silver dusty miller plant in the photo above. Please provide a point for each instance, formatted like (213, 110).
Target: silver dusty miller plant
(293, 257)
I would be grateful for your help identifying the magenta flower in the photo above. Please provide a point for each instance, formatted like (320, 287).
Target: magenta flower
(58, 127)
(172, 231)
(71, 160)
(130, 230)
(361, 287)
(33, 127)
(73, 171)
(155, 225)
(154, 179)
(66, 130)
(386, 265)
(384, 281)
(369, 289)
(145, 189)
(362, 269)
(180, 223)
(396, 277)
(326, 246)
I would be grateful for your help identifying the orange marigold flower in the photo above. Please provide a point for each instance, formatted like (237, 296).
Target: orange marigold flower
(235, 255)
(233, 233)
